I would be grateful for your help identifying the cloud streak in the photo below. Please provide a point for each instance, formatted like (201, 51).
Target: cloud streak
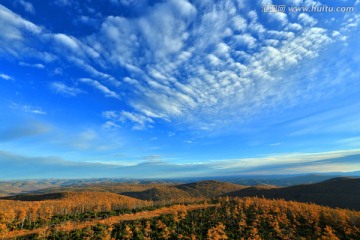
(100, 87)
(62, 88)
(5, 76)
(23, 130)
(27, 108)
(51, 167)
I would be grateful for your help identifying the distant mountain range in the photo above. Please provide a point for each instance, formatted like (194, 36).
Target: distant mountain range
(342, 192)
(278, 180)
(172, 189)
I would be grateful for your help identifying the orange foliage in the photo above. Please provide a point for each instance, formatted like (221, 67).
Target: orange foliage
(71, 203)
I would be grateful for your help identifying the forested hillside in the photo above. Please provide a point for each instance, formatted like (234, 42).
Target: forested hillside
(185, 192)
(225, 218)
(185, 211)
(336, 192)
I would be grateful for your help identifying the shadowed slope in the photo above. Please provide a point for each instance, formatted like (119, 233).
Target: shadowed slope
(337, 192)
(165, 193)
(209, 188)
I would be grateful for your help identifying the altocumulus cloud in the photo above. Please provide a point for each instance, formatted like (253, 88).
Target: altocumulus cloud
(246, 59)
(203, 65)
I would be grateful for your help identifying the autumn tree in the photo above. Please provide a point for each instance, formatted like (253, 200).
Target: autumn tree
(217, 232)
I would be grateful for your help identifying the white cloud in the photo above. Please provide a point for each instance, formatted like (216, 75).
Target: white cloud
(140, 121)
(67, 41)
(60, 87)
(13, 32)
(105, 90)
(279, 17)
(154, 166)
(294, 2)
(213, 59)
(26, 5)
(306, 19)
(5, 76)
(110, 114)
(110, 125)
(331, 121)
(20, 39)
(239, 23)
(160, 32)
(246, 40)
(34, 65)
(294, 26)
(27, 108)
(63, 3)
(352, 142)
(203, 64)
(332, 161)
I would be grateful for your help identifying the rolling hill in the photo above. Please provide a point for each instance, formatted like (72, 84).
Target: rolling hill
(182, 192)
(160, 193)
(343, 192)
(209, 188)
(42, 186)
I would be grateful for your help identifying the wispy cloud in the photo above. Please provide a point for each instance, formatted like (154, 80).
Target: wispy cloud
(62, 88)
(27, 108)
(12, 39)
(26, 5)
(30, 128)
(34, 65)
(349, 142)
(154, 166)
(5, 76)
(62, 3)
(140, 121)
(102, 88)
(287, 159)
(329, 121)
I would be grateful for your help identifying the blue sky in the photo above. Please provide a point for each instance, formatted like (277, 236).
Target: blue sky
(123, 88)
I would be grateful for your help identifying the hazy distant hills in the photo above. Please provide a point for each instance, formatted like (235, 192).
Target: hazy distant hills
(117, 185)
(153, 192)
(284, 180)
(9, 188)
(341, 192)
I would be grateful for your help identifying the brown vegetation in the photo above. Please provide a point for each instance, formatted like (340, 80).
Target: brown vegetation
(71, 225)
(185, 192)
(337, 192)
(29, 212)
